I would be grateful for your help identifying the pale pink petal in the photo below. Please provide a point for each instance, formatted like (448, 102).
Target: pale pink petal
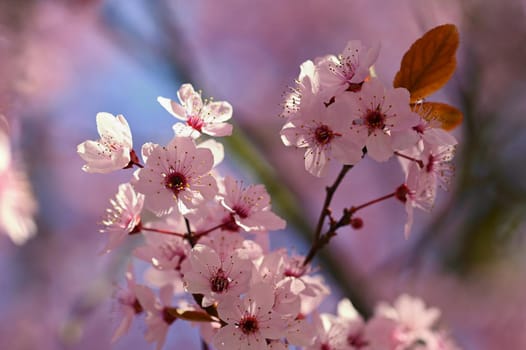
(218, 129)
(316, 161)
(217, 112)
(184, 130)
(217, 149)
(172, 107)
(379, 146)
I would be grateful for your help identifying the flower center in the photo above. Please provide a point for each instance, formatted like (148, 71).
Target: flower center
(430, 163)
(241, 211)
(219, 283)
(249, 325)
(420, 128)
(323, 134)
(375, 120)
(294, 268)
(229, 224)
(356, 341)
(176, 182)
(195, 122)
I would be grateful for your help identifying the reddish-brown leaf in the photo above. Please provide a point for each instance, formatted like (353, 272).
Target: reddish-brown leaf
(429, 62)
(194, 316)
(448, 116)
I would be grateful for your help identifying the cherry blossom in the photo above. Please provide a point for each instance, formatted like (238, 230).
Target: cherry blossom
(113, 150)
(165, 252)
(304, 93)
(292, 280)
(158, 318)
(429, 128)
(330, 333)
(383, 118)
(250, 207)
(209, 240)
(128, 305)
(382, 334)
(206, 117)
(347, 70)
(417, 192)
(216, 277)
(250, 320)
(325, 133)
(124, 216)
(414, 321)
(438, 167)
(353, 324)
(176, 176)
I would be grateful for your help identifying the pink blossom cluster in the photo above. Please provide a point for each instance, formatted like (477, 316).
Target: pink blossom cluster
(340, 111)
(407, 324)
(208, 244)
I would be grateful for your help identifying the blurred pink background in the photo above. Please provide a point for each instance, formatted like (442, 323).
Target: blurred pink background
(63, 61)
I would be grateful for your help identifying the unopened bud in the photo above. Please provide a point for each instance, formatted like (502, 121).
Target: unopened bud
(356, 223)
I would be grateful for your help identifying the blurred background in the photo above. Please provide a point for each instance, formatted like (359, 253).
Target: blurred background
(61, 62)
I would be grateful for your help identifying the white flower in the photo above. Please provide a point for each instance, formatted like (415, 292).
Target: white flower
(112, 151)
(207, 118)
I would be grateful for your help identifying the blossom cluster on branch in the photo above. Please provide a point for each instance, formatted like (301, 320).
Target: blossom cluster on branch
(208, 247)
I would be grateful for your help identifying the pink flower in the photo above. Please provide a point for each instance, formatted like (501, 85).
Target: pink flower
(330, 334)
(112, 151)
(347, 70)
(382, 334)
(305, 92)
(177, 175)
(435, 164)
(250, 207)
(383, 118)
(413, 320)
(163, 251)
(158, 318)
(325, 133)
(124, 216)
(438, 167)
(353, 324)
(292, 280)
(429, 130)
(417, 192)
(207, 118)
(216, 277)
(128, 305)
(250, 321)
